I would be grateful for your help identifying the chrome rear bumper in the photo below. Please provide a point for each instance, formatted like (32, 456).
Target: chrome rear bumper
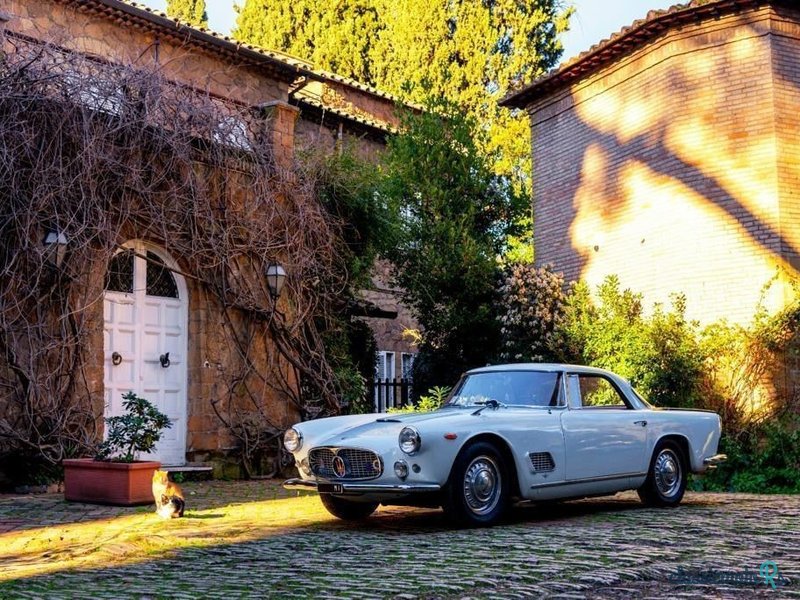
(713, 461)
(353, 487)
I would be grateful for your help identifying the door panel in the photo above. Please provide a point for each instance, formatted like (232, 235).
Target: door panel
(602, 441)
(141, 328)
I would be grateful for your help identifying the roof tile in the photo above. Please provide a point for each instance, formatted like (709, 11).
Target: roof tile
(621, 42)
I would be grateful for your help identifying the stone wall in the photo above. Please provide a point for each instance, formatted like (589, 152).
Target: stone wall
(675, 166)
(391, 335)
(112, 41)
(211, 360)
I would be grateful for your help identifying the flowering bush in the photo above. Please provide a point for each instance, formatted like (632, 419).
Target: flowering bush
(532, 314)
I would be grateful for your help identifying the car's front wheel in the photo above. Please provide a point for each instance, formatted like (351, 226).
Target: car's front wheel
(347, 510)
(478, 491)
(667, 476)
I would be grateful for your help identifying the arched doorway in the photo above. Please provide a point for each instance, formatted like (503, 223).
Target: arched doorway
(145, 309)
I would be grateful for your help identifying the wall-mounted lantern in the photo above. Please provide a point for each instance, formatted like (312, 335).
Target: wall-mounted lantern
(276, 277)
(55, 246)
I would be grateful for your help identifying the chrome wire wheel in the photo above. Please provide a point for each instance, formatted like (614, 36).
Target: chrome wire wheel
(483, 485)
(667, 473)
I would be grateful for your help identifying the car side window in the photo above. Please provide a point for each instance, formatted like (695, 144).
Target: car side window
(596, 391)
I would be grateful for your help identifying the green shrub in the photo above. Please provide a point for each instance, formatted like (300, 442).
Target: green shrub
(740, 361)
(138, 430)
(434, 399)
(724, 367)
(764, 460)
(659, 354)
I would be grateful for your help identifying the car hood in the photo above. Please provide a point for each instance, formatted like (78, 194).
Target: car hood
(366, 429)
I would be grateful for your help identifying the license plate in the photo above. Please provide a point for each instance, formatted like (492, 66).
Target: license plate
(329, 488)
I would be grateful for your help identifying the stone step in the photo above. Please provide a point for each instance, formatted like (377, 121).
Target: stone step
(190, 471)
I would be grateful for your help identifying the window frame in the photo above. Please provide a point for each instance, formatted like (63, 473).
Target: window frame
(575, 395)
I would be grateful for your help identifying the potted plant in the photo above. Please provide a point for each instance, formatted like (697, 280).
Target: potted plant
(114, 476)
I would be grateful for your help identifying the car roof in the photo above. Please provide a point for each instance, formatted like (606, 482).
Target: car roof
(544, 367)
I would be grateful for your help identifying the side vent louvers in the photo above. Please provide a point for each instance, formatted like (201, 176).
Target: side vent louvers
(542, 462)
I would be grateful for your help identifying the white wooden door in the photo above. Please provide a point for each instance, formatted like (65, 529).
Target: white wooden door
(145, 311)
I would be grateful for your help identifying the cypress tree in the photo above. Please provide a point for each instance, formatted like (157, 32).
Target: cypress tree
(189, 11)
(466, 51)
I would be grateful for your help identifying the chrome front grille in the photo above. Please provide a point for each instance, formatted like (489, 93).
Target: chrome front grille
(542, 462)
(344, 463)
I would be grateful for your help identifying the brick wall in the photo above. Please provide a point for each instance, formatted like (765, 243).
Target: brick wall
(389, 333)
(675, 166)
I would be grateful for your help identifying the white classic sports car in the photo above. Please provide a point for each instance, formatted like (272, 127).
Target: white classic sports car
(526, 431)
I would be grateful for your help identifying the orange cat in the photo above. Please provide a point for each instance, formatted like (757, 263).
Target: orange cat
(168, 496)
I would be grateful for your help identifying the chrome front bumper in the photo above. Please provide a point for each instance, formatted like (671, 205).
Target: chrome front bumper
(355, 487)
(713, 461)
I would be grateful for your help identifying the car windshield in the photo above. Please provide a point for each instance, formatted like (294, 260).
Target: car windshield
(513, 388)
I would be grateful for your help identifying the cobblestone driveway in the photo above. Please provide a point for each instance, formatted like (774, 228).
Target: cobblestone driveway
(249, 540)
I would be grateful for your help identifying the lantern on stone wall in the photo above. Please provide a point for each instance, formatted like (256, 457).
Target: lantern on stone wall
(276, 277)
(55, 247)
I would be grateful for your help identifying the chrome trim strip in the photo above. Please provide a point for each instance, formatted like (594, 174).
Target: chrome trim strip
(589, 480)
(715, 460)
(365, 488)
(336, 448)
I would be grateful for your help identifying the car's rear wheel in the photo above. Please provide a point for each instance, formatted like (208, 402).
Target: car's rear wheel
(347, 510)
(478, 490)
(667, 476)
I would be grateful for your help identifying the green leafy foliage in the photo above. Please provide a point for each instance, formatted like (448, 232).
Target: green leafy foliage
(434, 399)
(672, 362)
(468, 52)
(189, 11)
(138, 430)
(455, 216)
(543, 319)
(346, 186)
(740, 360)
(660, 353)
(351, 349)
(765, 460)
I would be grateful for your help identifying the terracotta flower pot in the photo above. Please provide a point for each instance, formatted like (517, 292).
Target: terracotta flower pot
(105, 482)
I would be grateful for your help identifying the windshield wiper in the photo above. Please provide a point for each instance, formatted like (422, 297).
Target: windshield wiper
(491, 402)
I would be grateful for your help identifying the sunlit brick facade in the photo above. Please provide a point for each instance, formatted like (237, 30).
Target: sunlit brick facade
(669, 156)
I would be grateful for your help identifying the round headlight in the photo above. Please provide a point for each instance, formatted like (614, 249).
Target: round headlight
(409, 440)
(292, 440)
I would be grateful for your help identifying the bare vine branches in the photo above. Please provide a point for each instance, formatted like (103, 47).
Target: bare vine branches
(107, 153)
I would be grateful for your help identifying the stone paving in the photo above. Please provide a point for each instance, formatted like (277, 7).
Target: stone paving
(253, 540)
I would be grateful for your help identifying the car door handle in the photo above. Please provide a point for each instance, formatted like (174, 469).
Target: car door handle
(642, 423)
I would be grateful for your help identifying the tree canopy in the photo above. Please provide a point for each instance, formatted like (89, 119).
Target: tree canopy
(455, 217)
(189, 11)
(468, 52)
